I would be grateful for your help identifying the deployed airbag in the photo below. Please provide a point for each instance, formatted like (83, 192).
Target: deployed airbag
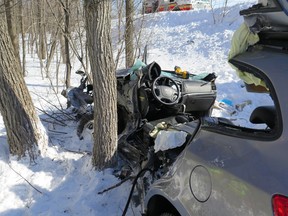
(169, 139)
(241, 40)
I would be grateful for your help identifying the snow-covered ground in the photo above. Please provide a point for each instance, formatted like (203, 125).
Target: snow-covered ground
(64, 182)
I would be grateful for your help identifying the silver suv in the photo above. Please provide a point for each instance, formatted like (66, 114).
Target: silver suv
(233, 170)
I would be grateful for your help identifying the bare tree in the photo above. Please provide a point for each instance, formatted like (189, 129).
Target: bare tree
(21, 15)
(129, 31)
(32, 28)
(67, 50)
(98, 27)
(119, 5)
(11, 23)
(219, 10)
(24, 129)
(52, 50)
(41, 30)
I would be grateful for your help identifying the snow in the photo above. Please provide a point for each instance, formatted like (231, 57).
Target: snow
(63, 182)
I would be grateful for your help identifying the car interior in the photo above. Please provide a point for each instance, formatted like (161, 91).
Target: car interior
(164, 95)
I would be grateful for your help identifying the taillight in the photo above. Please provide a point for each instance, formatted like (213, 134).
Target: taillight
(280, 205)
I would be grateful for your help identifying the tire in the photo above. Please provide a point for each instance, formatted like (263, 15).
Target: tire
(85, 124)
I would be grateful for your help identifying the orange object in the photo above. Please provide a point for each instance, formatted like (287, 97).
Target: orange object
(161, 8)
(171, 6)
(186, 7)
(180, 72)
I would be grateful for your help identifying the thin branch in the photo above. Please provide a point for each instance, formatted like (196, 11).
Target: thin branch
(60, 110)
(43, 111)
(117, 185)
(59, 132)
(24, 179)
(60, 117)
(51, 122)
(14, 5)
(72, 45)
(79, 152)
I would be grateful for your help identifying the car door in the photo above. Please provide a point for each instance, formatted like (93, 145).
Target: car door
(245, 166)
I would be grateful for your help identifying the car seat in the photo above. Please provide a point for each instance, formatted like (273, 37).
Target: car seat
(264, 114)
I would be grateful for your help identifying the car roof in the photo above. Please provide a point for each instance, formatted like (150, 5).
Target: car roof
(272, 62)
(271, 16)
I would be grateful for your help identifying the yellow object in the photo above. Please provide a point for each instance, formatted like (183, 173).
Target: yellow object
(157, 128)
(241, 40)
(183, 74)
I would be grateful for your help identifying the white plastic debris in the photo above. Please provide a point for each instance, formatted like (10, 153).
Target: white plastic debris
(169, 139)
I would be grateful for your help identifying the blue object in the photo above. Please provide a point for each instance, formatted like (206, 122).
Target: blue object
(226, 101)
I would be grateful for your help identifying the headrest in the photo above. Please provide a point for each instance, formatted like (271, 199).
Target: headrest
(264, 114)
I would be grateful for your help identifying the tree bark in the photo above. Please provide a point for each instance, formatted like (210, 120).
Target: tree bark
(22, 38)
(24, 129)
(54, 38)
(129, 31)
(12, 30)
(62, 37)
(120, 4)
(67, 50)
(32, 30)
(41, 30)
(98, 27)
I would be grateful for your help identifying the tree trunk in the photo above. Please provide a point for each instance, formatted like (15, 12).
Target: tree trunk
(54, 38)
(23, 38)
(129, 31)
(12, 30)
(32, 30)
(41, 31)
(24, 129)
(67, 51)
(61, 37)
(98, 24)
(120, 4)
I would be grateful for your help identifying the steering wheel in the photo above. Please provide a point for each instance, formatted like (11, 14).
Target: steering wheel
(165, 90)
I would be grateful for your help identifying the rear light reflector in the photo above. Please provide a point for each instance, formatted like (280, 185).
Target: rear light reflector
(280, 205)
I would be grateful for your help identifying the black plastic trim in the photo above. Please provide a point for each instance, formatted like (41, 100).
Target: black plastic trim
(259, 8)
(278, 39)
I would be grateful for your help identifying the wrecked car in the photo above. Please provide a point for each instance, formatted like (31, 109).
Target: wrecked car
(191, 163)
(159, 112)
(146, 93)
(225, 169)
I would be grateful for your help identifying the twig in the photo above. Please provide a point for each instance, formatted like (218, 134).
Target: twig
(62, 123)
(53, 106)
(25, 179)
(51, 141)
(68, 36)
(79, 152)
(52, 122)
(60, 132)
(55, 92)
(117, 185)
(46, 100)
(60, 118)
